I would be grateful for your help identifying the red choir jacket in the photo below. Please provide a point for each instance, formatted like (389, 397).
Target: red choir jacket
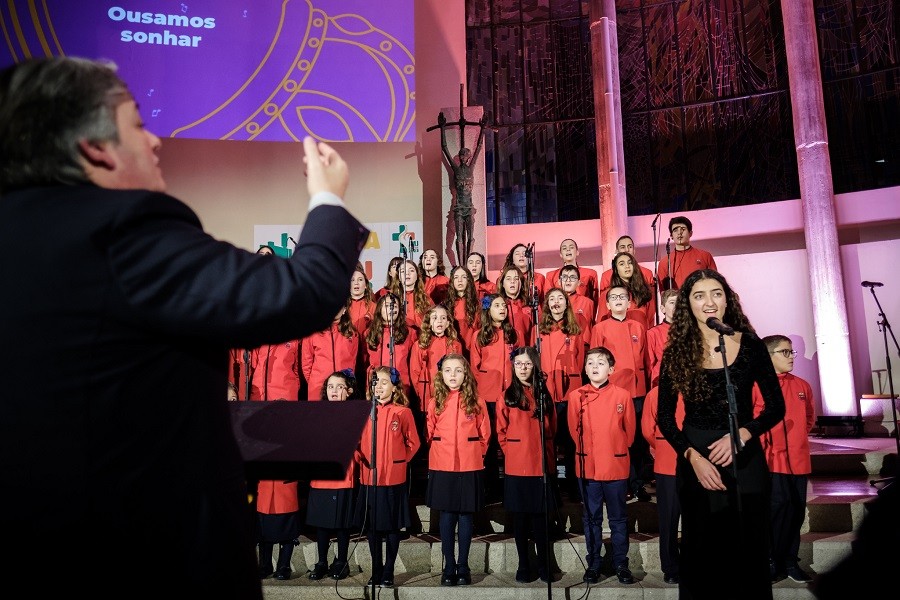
(458, 442)
(584, 314)
(347, 482)
(274, 372)
(324, 353)
(361, 314)
(684, 262)
(787, 444)
(423, 364)
(437, 288)
(491, 367)
(395, 444)
(562, 360)
(522, 321)
(277, 497)
(413, 317)
(381, 356)
(656, 343)
(602, 423)
(664, 456)
(485, 288)
(463, 329)
(519, 435)
(627, 340)
(587, 282)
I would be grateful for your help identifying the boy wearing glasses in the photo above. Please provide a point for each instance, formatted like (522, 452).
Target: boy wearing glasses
(627, 340)
(787, 454)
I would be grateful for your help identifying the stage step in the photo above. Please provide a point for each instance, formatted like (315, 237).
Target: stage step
(493, 561)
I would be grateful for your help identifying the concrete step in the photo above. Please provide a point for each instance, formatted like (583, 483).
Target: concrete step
(494, 561)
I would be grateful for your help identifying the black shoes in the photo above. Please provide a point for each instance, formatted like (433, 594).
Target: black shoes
(670, 579)
(283, 573)
(798, 574)
(542, 575)
(318, 571)
(265, 571)
(643, 495)
(464, 579)
(448, 578)
(591, 576)
(523, 576)
(624, 575)
(339, 570)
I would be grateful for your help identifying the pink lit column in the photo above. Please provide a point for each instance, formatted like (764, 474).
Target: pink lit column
(608, 122)
(817, 200)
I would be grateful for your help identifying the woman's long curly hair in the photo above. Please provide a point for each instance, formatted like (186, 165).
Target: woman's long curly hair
(515, 397)
(684, 352)
(487, 333)
(469, 296)
(468, 391)
(568, 324)
(640, 292)
(401, 330)
(398, 396)
(427, 334)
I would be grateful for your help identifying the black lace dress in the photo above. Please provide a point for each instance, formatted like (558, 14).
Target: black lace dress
(724, 542)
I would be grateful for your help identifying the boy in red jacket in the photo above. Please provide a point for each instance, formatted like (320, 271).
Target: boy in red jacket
(602, 422)
(787, 453)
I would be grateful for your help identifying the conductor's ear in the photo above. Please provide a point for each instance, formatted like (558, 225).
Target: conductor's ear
(97, 154)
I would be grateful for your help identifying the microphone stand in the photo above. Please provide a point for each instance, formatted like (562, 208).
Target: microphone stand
(656, 290)
(374, 465)
(537, 385)
(885, 328)
(401, 278)
(247, 382)
(732, 421)
(671, 276)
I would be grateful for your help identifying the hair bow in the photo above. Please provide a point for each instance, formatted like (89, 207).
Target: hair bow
(515, 351)
(486, 303)
(395, 376)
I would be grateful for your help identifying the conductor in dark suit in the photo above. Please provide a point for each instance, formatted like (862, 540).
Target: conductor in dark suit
(119, 472)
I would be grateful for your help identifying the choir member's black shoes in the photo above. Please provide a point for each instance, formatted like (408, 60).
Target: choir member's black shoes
(464, 579)
(265, 571)
(591, 576)
(624, 575)
(798, 574)
(376, 578)
(388, 580)
(283, 573)
(448, 578)
(318, 571)
(670, 579)
(643, 495)
(523, 576)
(542, 575)
(339, 570)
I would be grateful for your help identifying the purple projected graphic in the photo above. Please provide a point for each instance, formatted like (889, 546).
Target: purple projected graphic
(267, 70)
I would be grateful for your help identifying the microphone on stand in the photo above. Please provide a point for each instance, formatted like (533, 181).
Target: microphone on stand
(719, 327)
(668, 247)
(655, 219)
(872, 284)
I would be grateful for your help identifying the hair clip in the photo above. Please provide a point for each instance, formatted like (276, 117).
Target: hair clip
(486, 303)
(348, 373)
(395, 376)
(515, 351)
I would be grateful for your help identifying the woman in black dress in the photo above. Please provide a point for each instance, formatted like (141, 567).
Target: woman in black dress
(724, 522)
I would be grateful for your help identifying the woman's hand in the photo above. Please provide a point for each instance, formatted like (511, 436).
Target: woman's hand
(707, 474)
(720, 450)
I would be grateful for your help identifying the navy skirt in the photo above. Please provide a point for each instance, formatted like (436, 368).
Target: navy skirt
(385, 505)
(330, 509)
(523, 494)
(455, 491)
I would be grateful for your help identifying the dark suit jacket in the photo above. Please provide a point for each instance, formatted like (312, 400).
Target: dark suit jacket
(118, 465)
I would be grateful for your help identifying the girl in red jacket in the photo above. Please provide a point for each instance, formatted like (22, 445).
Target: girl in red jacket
(490, 348)
(384, 496)
(437, 339)
(527, 495)
(511, 289)
(391, 279)
(477, 266)
(457, 430)
(463, 304)
(361, 308)
(388, 339)
(329, 506)
(434, 278)
(328, 351)
(416, 301)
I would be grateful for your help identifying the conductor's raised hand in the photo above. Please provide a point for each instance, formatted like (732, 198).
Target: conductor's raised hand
(326, 171)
